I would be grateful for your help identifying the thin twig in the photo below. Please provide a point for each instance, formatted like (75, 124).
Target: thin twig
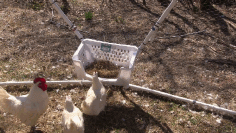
(175, 36)
(222, 41)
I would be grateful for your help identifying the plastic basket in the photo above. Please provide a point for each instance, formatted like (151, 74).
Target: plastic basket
(120, 54)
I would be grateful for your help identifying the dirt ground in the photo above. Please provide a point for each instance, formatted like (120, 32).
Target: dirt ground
(200, 66)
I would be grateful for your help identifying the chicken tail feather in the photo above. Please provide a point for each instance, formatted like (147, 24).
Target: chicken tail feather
(3, 94)
(76, 124)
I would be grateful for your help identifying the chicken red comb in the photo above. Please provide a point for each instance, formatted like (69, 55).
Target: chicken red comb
(42, 80)
(41, 85)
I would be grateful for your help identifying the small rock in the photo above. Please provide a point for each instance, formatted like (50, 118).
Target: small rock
(4, 114)
(59, 107)
(189, 124)
(146, 105)
(73, 91)
(194, 112)
(202, 113)
(135, 94)
(145, 85)
(123, 101)
(214, 116)
(210, 98)
(57, 90)
(69, 76)
(151, 85)
(171, 112)
(215, 104)
(180, 120)
(225, 105)
(209, 94)
(218, 120)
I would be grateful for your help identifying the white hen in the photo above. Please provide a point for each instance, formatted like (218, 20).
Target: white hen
(72, 118)
(28, 108)
(96, 98)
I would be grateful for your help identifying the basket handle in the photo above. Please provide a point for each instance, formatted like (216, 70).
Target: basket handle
(73, 27)
(160, 20)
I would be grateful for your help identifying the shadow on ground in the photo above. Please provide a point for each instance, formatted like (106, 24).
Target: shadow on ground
(2, 131)
(121, 118)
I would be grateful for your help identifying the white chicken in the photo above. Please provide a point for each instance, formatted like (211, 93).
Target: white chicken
(95, 100)
(72, 118)
(28, 108)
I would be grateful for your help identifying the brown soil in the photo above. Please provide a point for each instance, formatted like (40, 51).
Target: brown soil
(199, 66)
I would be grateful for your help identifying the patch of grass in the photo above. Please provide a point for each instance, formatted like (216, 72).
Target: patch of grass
(119, 19)
(173, 106)
(88, 15)
(193, 121)
(117, 130)
(62, 7)
(37, 5)
(76, 2)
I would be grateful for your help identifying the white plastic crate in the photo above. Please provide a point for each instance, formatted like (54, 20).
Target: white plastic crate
(120, 54)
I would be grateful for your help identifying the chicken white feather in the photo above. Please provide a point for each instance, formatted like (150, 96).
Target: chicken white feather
(28, 108)
(95, 100)
(72, 118)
